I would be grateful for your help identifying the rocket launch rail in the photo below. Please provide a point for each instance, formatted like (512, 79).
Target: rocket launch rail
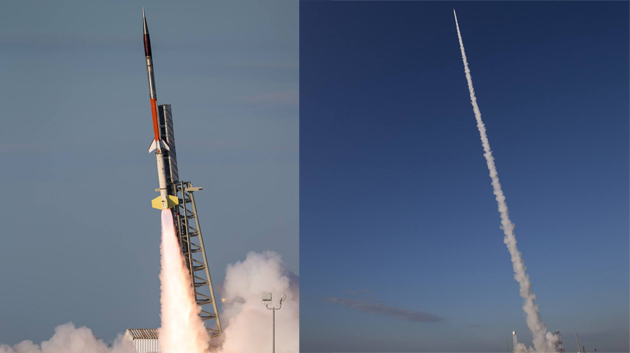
(178, 196)
(193, 250)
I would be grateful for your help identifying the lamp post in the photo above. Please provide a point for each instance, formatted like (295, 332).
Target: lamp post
(266, 298)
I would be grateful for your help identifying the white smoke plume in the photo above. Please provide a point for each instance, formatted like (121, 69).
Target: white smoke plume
(249, 322)
(543, 341)
(69, 339)
(182, 330)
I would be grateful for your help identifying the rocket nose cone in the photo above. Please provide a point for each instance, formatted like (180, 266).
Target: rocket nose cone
(145, 30)
(147, 38)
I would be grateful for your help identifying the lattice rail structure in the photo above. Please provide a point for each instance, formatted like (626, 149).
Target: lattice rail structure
(191, 243)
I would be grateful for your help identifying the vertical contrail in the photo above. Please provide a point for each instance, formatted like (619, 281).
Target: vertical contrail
(543, 341)
(182, 330)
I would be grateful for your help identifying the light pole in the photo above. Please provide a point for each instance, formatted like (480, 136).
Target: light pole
(266, 298)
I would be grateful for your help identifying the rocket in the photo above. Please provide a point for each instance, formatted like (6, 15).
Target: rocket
(164, 201)
(515, 341)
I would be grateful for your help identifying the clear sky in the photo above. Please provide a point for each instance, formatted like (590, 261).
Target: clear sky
(400, 245)
(80, 241)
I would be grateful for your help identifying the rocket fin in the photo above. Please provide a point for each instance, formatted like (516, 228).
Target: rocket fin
(172, 201)
(157, 203)
(154, 146)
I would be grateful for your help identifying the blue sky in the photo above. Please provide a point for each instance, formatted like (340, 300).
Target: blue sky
(400, 245)
(80, 241)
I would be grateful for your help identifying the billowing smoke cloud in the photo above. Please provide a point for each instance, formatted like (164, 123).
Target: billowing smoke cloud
(377, 308)
(248, 322)
(69, 339)
(543, 341)
(182, 330)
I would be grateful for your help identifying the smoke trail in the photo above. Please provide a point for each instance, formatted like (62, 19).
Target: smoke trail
(69, 339)
(182, 330)
(543, 341)
(248, 320)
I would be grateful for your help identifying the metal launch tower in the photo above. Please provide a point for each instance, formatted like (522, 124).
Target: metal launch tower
(178, 196)
(188, 227)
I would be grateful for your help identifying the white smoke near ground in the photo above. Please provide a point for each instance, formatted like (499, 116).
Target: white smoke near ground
(248, 322)
(69, 339)
(543, 341)
(182, 329)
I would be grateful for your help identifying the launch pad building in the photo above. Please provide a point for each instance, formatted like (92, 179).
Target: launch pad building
(144, 340)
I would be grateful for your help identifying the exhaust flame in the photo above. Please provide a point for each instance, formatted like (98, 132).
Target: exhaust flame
(182, 330)
(543, 341)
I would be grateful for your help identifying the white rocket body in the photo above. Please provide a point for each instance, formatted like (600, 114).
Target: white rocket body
(164, 201)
